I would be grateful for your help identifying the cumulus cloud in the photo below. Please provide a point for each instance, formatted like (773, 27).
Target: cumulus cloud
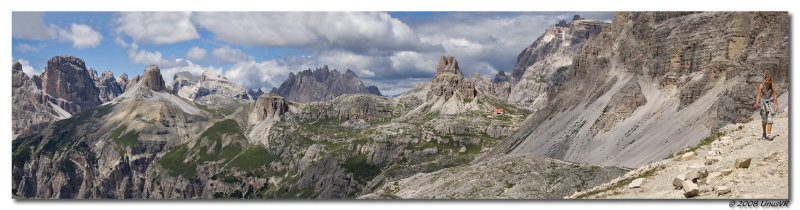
(494, 39)
(22, 47)
(227, 54)
(373, 32)
(81, 36)
(252, 75)
(28, 69)
(410, 61)
(29, 25)
(186, 65)
(157, 27)
(196, 54)
(145, 57)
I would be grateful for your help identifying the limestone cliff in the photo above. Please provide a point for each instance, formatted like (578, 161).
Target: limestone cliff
(653, 83)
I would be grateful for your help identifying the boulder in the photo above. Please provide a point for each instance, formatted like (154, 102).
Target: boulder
(687, 156)
(713, 177)
(726, 171)
(721, 190)
(677, 182)
(690, 189)
(637, 183)
(711, 160)
(742, 163)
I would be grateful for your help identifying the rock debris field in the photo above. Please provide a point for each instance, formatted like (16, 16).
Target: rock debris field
(736, 164)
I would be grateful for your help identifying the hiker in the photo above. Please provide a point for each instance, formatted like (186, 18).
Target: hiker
(766, 100)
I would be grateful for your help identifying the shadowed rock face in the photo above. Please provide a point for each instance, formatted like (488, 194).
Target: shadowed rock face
(152, 78)
(255, 93)
(500, 77)
(321, 85)
(66, 77)
(108, 86)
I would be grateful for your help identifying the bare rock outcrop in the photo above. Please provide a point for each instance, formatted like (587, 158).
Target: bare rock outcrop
(67, 78)
(122, 81)
(449, 81)
(108, 86)
(270, 105)
(152, 78)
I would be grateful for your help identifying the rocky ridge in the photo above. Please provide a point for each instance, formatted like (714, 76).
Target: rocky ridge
(320, 85)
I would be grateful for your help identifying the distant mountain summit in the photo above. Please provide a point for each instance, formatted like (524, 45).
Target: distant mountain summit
(322, 84)
(208, 89)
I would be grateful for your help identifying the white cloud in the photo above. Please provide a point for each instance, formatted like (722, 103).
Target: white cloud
(157, 27)
(22, 47)
(413, 61)
(186, 65)
(354, 31)
(81, 36)
(252, 75)
(29, 25)
(145, 57)
(119, 41)
(343, 60)
(227, 54)
(28, 69)
(196, 54)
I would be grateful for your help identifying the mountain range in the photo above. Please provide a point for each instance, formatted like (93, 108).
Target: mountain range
(586, 102)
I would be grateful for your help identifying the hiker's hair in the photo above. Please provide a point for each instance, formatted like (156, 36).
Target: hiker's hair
(768, 80)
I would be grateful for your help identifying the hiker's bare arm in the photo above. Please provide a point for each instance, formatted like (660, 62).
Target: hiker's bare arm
(758, 95)
(775, 96)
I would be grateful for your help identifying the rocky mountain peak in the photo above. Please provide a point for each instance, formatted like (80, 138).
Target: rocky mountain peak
(269, 105)
(152, 78)
(66, 77)
(374, 90)
(255, 93)
(108, 86)
(122, 80)
(16, 67)
(107, 74)
(321, 84)
(18, 76)
(448, 64)
(448, 85)
(500, 77)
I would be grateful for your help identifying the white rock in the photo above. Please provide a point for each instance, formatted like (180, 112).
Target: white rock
(721, 190)
(636, 183)
(462, 150)
(690, 189)
(713, 177)
(726, 171)
(687, 156)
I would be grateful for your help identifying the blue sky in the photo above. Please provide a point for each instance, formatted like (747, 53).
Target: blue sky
(392, 50)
